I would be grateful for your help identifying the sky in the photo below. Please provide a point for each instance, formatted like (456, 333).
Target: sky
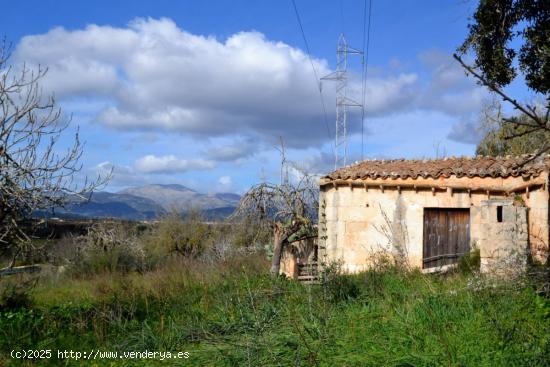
(201, 93)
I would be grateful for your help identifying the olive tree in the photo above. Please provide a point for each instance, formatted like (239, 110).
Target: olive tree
(36, 171)
(288, 209)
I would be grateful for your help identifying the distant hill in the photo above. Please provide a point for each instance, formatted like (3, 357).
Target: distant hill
(182, 198)
(148, 202)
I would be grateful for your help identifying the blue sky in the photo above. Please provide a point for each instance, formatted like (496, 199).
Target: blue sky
(199, 92)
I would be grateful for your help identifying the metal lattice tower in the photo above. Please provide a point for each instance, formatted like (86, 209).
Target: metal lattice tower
(342, 101)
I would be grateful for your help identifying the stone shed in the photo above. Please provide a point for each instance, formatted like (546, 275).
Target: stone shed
(432, 212)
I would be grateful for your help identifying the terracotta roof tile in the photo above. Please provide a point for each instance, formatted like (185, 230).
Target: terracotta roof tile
(479, 166)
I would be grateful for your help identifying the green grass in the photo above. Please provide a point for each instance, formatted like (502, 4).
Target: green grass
(234, 314)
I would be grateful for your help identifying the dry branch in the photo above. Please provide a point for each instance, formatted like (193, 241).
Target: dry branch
(288, 209)
(35, 172)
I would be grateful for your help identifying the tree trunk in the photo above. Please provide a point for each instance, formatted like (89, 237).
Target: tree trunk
(278, 242)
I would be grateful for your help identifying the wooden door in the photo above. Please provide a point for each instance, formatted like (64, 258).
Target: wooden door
(446, 236)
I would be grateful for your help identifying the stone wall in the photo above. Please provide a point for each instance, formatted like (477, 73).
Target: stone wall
(504, 238)
(356, 223)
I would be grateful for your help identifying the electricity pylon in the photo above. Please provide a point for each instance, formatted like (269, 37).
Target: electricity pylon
(340, 76)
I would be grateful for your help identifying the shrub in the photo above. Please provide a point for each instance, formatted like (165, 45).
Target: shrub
(339, 287)
(187, 237)
(14, 295)
(109, 247)
(470, 262)
(249, 233)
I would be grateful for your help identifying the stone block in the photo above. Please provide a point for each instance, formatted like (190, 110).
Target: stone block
(475, 214)
(359, 213)
(493, 248)
(486, 215)
(514, 214)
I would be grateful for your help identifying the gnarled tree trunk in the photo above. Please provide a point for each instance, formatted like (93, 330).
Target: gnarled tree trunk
(278, 243)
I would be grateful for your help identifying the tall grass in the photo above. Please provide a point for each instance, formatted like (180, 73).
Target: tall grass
(231, 313)
(163, 289)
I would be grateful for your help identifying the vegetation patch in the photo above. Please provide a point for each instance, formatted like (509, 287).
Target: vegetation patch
(232, 313)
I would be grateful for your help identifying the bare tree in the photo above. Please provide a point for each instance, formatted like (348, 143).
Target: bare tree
(288, 209)
(36, 173)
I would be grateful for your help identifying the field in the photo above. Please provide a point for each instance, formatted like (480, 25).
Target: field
(232, 313)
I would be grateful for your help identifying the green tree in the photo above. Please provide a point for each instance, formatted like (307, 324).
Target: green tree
(508, 138)
(509, 39)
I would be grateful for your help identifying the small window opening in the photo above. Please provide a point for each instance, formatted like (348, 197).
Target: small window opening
(499, 214)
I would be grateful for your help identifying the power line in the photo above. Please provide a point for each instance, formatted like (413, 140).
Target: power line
(317, 80)
(366, 31)
(342, 30)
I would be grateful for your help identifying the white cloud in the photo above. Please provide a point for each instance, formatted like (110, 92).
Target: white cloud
(225, 184)
(129, 175)
(402, 88)
(160, 77)
(225, 181)
(121, 175)
(235, 97)
(466, 131)
(170, 164)
(238, 149)
(318, 162)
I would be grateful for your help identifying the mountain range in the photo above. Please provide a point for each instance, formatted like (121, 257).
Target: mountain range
(148, 202)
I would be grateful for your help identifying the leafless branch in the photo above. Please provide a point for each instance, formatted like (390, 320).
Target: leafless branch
(530, 111)
(287, 209)
(35, 172)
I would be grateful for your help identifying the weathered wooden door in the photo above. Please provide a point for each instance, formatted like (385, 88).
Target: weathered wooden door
(446, 236)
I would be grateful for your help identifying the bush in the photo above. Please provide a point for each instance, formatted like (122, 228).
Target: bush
(470, 262)
(14, 295)
(188, 237)
(340, 287)
(109, 247)
(125, 247)
(249, 234)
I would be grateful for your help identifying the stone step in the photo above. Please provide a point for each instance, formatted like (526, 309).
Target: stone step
(307, 277)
